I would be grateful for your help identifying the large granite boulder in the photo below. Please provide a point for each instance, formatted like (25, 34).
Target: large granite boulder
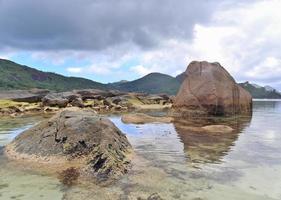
(75, 138)
(208, 89)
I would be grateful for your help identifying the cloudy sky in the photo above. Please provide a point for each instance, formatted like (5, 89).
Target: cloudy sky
(111, 40)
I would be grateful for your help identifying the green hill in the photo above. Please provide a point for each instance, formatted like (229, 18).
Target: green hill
(15, 76)
(152, 83)
(261, 92)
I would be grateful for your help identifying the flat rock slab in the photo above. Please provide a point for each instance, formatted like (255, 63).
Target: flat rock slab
(141, 118)
(218, 129)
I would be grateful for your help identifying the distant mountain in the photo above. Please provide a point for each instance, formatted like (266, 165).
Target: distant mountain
(258, 91)
(16, 76)
(152, 83)
(181, 77)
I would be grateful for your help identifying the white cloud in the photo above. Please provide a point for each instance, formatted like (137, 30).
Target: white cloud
(245, 39)
(4, 56)
(74, 70)
(99, 70)
(93, 69)
(7, 55)
(141, 70)
(270, 68)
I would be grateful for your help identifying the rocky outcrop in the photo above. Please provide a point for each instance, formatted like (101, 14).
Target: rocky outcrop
(62, 99)
(141, 118)
(75, 138)
(30, 96)
(208, 89)
(97, 94)
(99, 100)
(55, 99)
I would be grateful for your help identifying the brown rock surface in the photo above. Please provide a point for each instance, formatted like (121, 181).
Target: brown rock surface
(141, 118)
(96, 146)
(217, 129)
(209, 89)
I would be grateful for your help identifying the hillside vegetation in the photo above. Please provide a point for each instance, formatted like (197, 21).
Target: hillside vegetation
(152, 83)
(261, 92)
(15, 76)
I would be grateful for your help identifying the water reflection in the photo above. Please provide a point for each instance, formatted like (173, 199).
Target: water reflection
(245, 164)
(266, 105)
(11, 127)
(205, 147)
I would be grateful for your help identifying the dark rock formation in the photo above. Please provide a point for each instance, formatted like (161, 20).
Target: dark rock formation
(30, 96)
(77, 102)
(209, 89)
(55, 99)
(97, 94)
(97, 145)
(62, 99)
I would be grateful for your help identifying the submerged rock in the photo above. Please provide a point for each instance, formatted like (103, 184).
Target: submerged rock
(209, 129)
(141, 118)
(218, 129)
(209, 143)
(79, 138)
(208, 89)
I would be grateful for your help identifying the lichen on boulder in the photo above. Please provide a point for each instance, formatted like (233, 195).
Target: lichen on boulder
(77, 136)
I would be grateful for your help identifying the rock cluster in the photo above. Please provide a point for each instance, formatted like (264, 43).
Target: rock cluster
(24, 101)
(208, 89)
(99, 147)
(101, 100)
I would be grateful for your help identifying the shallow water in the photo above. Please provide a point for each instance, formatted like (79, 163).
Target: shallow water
(171, 161)
(16, 182)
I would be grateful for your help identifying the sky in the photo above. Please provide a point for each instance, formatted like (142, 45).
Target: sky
(112, 40)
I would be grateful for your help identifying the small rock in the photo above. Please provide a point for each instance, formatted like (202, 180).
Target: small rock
(154, 196)
(141, 118)
(78, 102)
(218, 129)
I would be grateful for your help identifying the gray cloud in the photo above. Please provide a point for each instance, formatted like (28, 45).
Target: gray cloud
(98, 24)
